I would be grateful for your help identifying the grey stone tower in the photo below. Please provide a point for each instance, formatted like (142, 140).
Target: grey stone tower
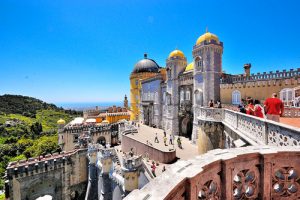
(207, 55)
(176, 64)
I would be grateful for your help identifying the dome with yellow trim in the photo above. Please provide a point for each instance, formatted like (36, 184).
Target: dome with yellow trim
(61, 121)
(189, 67)
(207, 37)
(176, 53)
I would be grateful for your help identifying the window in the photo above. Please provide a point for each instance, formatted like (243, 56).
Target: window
(75, 138)
(287, 95)
(181, 95)
(198, 97)
(188, 95)
(236, 97)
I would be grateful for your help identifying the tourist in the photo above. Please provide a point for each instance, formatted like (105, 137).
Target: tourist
(250, 107)
(179, 142)
(274, 108)
(258, 109)
(165, 134)
(242, 106)
(165, 141)
(211, 103)
(163, 169)
(219, 105)
(156, 139)
(171, 139)
(153, 167)
(131, 152)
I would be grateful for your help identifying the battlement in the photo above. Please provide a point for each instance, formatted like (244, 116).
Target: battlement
(88, 127)
(131, 163)
(39, 164)
(292, 73)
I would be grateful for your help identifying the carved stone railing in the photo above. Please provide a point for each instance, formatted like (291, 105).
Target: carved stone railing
(291, 112)
(256, 131)
(239, 173)
(262, 131)
(211, 114)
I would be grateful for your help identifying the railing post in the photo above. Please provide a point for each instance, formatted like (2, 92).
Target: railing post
(237, 118)
(266, 133)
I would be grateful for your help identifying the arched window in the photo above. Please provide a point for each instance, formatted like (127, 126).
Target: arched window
(287, 95)
(236, 97)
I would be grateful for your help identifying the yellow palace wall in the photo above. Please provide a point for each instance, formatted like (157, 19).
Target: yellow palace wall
(256, 89)
(135, 88)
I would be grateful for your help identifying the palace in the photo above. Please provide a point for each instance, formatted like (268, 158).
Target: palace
(167, 97)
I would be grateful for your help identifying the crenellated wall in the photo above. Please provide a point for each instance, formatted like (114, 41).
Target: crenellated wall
(63, 176)
(259, 86)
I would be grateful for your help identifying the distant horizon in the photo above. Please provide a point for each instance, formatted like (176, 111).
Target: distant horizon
(87, 105)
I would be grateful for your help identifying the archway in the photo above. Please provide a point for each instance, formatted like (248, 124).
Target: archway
(187, 127)
(101, 140)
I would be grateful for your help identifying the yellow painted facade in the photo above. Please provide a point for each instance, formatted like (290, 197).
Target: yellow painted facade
(115, 118)
(256, 89)
(135, 90)
(131, 181)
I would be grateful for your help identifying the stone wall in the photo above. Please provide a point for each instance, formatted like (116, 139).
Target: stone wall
(145, 149)
(240, 173)
(257, 89)
(63, 176)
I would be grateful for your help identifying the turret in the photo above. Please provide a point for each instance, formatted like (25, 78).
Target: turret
(176, 64)
(131, 171)
(247, 68)
(105, 164)
(207, 54)
(60, 129)
(125, 102)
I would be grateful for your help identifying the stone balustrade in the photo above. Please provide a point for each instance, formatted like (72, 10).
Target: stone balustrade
(210, 114)
(256, 131)
(292, 112)
(262, 131)
(240, 173)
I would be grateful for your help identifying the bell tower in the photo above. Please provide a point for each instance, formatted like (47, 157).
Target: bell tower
(207, 55)
(176, 64)
(125, 102)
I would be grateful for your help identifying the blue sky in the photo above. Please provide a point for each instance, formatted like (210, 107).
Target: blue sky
(84, 51)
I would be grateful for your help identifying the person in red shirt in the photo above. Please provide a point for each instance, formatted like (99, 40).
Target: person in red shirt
(274, 108)
(250, 107)
(258, 109)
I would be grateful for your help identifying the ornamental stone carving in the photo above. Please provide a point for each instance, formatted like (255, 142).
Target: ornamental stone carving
(285, 182)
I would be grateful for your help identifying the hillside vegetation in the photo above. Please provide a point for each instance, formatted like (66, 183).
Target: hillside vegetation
(28, 128)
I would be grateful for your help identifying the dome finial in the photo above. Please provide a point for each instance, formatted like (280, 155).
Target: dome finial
(145, 55)
(206, 29)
